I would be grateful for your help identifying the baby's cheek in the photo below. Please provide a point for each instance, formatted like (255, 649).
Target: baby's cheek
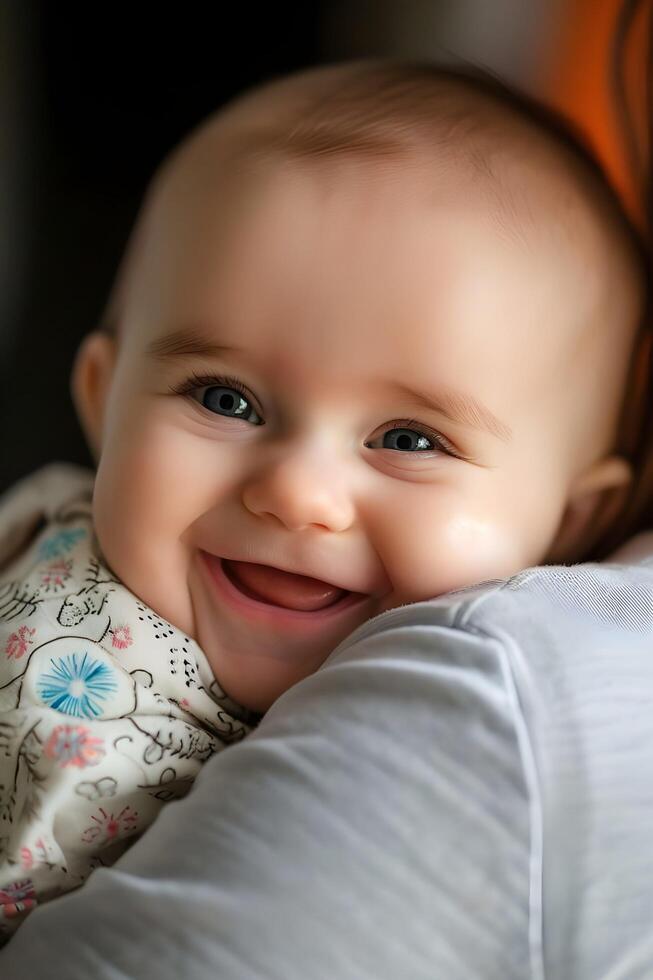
(143, 503)
(452, 553)
(480, 548)
(150, 476)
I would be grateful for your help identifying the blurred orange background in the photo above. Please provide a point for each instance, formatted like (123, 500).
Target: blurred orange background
(578, 76)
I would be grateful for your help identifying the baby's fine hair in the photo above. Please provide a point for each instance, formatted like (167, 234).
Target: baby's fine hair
(382, 109)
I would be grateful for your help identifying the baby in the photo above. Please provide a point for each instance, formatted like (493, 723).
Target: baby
(373, 341)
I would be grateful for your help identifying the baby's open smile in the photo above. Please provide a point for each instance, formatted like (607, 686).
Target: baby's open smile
(277, 597)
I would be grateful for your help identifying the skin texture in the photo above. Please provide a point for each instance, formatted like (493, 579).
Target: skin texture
(336, 279)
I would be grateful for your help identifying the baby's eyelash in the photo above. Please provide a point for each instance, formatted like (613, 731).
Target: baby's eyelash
(209, 381)
(440, 442)
(196, 381)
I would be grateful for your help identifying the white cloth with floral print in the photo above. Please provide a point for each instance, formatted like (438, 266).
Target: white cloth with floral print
(106, 710)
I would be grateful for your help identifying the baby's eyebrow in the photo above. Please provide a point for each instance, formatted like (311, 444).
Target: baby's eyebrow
(459, 408)
(185, 343)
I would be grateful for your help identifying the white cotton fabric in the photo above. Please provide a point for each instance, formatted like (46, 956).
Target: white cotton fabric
(106, 710)
(464, 791)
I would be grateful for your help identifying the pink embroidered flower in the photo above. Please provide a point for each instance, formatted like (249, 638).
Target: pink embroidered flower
(108, 828)
(16, 898)
(18, 642)
(73, 745)
(26, 858)
(56, 573)
(121, 636)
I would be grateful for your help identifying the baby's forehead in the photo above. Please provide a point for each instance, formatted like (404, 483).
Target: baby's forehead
(409, 134)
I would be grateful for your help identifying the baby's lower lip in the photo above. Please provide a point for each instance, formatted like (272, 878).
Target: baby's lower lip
(267, 613)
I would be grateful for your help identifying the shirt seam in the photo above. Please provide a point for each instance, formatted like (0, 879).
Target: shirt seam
(503, 644)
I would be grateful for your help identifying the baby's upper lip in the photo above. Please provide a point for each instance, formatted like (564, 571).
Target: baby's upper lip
(307, 572)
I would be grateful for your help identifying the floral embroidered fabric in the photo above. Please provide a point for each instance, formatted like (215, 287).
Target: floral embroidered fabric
(107, 711)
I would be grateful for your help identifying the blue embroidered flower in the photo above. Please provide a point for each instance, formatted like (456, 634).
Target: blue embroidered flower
(61, 543)
(77, 685)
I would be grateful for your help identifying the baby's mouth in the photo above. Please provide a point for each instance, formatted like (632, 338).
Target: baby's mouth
(286, 589)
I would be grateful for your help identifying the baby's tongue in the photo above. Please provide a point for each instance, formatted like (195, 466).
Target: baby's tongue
(282, 588)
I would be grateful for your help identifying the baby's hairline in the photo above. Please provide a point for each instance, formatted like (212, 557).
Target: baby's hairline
(339, 121)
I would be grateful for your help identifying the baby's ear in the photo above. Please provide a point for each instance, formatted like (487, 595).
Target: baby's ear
(595, 501)
(90, 383)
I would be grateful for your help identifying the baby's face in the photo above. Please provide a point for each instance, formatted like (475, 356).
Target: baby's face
(403, 424)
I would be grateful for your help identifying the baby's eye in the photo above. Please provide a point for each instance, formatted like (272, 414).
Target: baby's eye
(225, 396)
(401, 438)
(228, 397)
(223, 400)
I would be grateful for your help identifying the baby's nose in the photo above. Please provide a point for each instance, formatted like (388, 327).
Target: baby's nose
(300, 490)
